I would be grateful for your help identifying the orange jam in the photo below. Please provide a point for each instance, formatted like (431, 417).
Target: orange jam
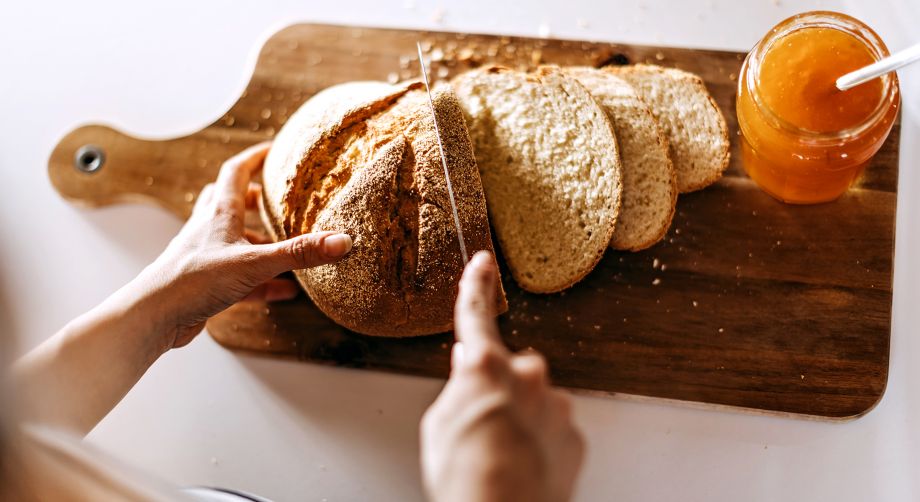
(803, 140)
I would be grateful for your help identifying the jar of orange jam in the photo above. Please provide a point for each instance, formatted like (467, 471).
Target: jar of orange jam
(803, 140)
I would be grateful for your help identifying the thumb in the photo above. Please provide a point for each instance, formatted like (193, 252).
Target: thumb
(303, 251)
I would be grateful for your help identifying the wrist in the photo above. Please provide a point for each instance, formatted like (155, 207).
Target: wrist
(138, 308)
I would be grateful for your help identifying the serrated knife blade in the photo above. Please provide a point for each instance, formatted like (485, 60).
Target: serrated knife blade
(437, 131)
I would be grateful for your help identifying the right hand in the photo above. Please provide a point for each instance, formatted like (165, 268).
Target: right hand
(498, 431)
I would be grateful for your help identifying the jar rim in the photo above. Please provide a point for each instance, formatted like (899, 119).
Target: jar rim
(822, 19)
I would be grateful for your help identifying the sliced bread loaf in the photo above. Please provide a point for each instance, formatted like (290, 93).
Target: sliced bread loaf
(649, 181)
(363, 158)
(694, 125)
(548, 158)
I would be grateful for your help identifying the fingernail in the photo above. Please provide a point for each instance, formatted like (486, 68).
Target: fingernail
(337, 245)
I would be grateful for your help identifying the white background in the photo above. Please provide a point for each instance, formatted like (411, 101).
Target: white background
(295, 431)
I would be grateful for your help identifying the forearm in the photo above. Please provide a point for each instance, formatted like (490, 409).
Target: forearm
(76, 377)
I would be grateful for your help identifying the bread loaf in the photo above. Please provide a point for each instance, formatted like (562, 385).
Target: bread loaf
(362, 158)
(550, 169)
(694, 125)
(649, 180)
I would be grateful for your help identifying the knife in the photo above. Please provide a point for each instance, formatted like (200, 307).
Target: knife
(437, 131)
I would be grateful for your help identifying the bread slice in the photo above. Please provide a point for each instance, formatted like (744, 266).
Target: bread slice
(649, 181)
(363, 158)
(694, 125)
(550, 170)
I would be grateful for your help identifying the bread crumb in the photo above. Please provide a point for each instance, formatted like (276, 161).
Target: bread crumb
(393, 77)
(696, 303)
(597, 327)
(663, 267)
(655, 263)
(721, 330)
(656, 282)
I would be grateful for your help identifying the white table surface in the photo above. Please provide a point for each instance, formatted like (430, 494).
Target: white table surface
(295, 431)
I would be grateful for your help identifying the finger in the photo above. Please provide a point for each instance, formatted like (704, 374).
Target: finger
(558, 410)
(474, 313)
(257, 236)
(531, 371)
(274, 290)
(304, 251)
(529, 382)
(236, 171)
(253, 194)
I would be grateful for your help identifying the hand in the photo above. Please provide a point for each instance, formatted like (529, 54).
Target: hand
(215, 262)
(498, 431)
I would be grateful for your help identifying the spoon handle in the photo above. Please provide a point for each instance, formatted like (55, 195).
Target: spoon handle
(893, 62)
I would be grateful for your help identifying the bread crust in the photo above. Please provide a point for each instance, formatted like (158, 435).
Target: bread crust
(363, 159)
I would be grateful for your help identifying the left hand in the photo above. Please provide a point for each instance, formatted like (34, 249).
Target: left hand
(215, 262)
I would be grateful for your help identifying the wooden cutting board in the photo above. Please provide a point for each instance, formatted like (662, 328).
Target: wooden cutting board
(747, 303)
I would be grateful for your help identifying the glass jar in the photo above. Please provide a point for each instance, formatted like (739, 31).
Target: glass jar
(803, 140)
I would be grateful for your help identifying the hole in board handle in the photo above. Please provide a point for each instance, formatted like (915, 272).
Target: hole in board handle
(89, 158)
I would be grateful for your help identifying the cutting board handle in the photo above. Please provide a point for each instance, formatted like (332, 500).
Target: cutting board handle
(96, 166)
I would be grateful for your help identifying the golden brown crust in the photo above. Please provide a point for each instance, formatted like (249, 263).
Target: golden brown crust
(375, 173)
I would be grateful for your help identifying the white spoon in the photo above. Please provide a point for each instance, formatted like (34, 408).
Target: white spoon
(877, 69)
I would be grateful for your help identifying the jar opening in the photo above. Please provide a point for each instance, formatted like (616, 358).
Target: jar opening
(821, 19)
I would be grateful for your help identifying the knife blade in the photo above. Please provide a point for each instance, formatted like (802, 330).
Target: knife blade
(437, 131)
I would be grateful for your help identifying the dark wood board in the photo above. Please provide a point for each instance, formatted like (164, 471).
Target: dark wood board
(748, 303)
